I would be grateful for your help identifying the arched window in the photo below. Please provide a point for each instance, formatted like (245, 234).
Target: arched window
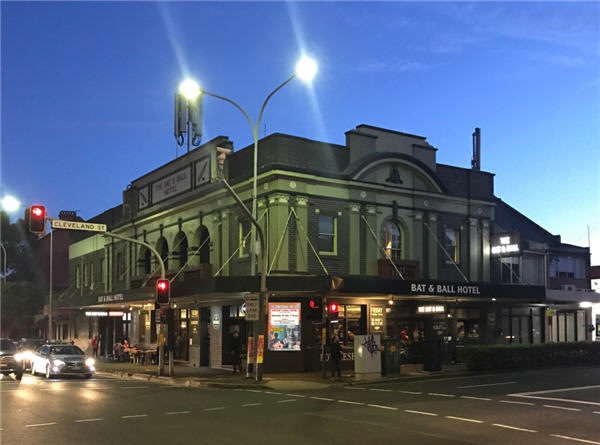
(393, 240)
(181, 249)
(163, 249)
(202, 241)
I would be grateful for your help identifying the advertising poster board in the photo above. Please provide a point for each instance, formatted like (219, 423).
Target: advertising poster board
(284, 326)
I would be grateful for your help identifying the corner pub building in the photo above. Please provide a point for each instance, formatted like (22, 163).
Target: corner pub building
(400, 242)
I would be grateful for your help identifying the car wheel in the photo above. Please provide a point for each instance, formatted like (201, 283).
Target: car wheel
(19, 376)
(48, 373)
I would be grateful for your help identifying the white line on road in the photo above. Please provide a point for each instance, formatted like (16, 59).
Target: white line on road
(273, 392)
(382, 390)
(349, 402)
(352, 387)
(253, 390)
(555, 399)
(517, 403)
(393, 408)
(475, 398)
(410, 392)
(171, 413)
(89, 420)
(134, 387)
(561, 407)
(575, 439)
(514, 428)
(464, 419)
(425, 413)
(134, 416)
(295, 395)
(437, 394)
(287, 400)
(487, 384)
(595, 412)
(214, 409)
(251, 404)
(40, 424)
(321, 398)
(547, 391)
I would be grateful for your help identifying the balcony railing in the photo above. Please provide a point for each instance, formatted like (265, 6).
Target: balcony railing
(408, 268)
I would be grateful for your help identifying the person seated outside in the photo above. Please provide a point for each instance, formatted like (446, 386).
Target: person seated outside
(118, 351)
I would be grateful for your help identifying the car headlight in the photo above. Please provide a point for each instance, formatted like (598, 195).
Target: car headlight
(90, 362)
(57, 362)
(19, 357)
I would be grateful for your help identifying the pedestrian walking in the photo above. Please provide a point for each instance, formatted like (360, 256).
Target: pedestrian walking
(236, 351)
(335, 352)
(95, 344)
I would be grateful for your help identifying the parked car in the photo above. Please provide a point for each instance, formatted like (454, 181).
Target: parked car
(54, 360)
(27, 347)
(10, 359)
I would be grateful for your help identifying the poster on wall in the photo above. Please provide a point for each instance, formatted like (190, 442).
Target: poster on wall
(284, 326)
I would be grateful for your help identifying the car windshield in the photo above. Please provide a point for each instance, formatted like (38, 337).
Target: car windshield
(65, 350)
(31, 344)
(7, 345)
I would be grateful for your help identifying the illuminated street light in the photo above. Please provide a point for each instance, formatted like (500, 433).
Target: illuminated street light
(306, 68)
(10, 203)
(190, 89)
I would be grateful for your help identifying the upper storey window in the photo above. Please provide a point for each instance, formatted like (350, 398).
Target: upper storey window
(328, 227)
(392, 240)
(452, 244)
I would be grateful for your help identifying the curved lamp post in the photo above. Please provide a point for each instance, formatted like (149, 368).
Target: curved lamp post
(306, 69)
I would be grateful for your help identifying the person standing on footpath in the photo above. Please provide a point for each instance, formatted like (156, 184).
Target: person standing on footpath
(335, 352)
(95, 346)
(236, 351)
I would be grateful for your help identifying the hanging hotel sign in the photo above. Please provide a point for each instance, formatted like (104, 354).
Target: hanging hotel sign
(110, 298)
(169, 186)
(431, 309)
(78, 225)
(506, 244)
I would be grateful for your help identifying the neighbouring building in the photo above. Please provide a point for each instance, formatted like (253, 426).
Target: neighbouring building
(403, 244)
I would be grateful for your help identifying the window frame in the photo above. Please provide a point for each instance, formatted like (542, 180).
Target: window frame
(333, 235)
(456, 246)
(244, 245)
(401, 237)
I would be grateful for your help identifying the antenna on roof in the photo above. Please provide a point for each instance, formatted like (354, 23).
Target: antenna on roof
(476, 160)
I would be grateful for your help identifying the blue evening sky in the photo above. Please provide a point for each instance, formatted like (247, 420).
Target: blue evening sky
(87, 90)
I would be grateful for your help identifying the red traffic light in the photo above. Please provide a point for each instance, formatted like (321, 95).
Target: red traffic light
(333, 307)
(313, 304)
(37, 219)
(163, 292)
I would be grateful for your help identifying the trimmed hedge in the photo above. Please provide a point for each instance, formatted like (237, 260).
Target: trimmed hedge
(484, 357)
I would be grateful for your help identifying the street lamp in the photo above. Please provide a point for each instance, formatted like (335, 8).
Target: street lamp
(306, 68)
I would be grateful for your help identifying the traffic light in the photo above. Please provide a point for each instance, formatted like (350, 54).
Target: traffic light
(163, 292)
(37, 219)
(334, 311)
(314, 309)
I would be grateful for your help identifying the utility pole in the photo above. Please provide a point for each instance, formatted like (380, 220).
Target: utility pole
(50, 331)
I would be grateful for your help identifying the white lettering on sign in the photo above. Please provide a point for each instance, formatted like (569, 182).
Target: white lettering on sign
(505, 248)
(445, 289)
(430, 309)
(77, 225)
(172, 185)
(109, 298)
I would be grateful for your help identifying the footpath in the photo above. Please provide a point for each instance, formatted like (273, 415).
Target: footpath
(204, 377)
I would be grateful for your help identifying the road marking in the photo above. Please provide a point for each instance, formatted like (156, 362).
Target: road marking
(295, 395)
(475, 398)
(393, 408)
(349, 402)
(356, 389)
(253, 390)
(437, 394)
(321, 398)
(171, 413)
(238, 389)
(251, 404)
(487, 384)
(273, 392)
(382, 390)
(514, 428)
(89, 420)
(410, 392)
(548, 391)
(575, 439)
(287, 400)
(555, 399)
(595, 412)
(514, 402)
(134, 416)
(425, 413)
(214, 409)
(561, 407)
(134, 387)
(40, 424)
(464, 419)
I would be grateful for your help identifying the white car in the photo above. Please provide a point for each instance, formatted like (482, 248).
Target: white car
(54, 360)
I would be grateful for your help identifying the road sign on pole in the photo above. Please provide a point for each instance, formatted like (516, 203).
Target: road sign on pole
(252, 307)
(77, 225)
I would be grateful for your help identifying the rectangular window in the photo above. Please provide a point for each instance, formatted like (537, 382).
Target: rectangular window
(101, 270)
(86, 275)
(327, 243)
(452, 245)
(78, 276)
(120, 266)
(244, 238)
(92, 278)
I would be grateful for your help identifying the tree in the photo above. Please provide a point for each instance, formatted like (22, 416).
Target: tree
(21, 300)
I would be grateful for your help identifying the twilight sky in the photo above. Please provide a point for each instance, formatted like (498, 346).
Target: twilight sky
(87, 91)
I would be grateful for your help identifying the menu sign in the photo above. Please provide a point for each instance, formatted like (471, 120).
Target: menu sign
(377, 318)
(284, 326)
